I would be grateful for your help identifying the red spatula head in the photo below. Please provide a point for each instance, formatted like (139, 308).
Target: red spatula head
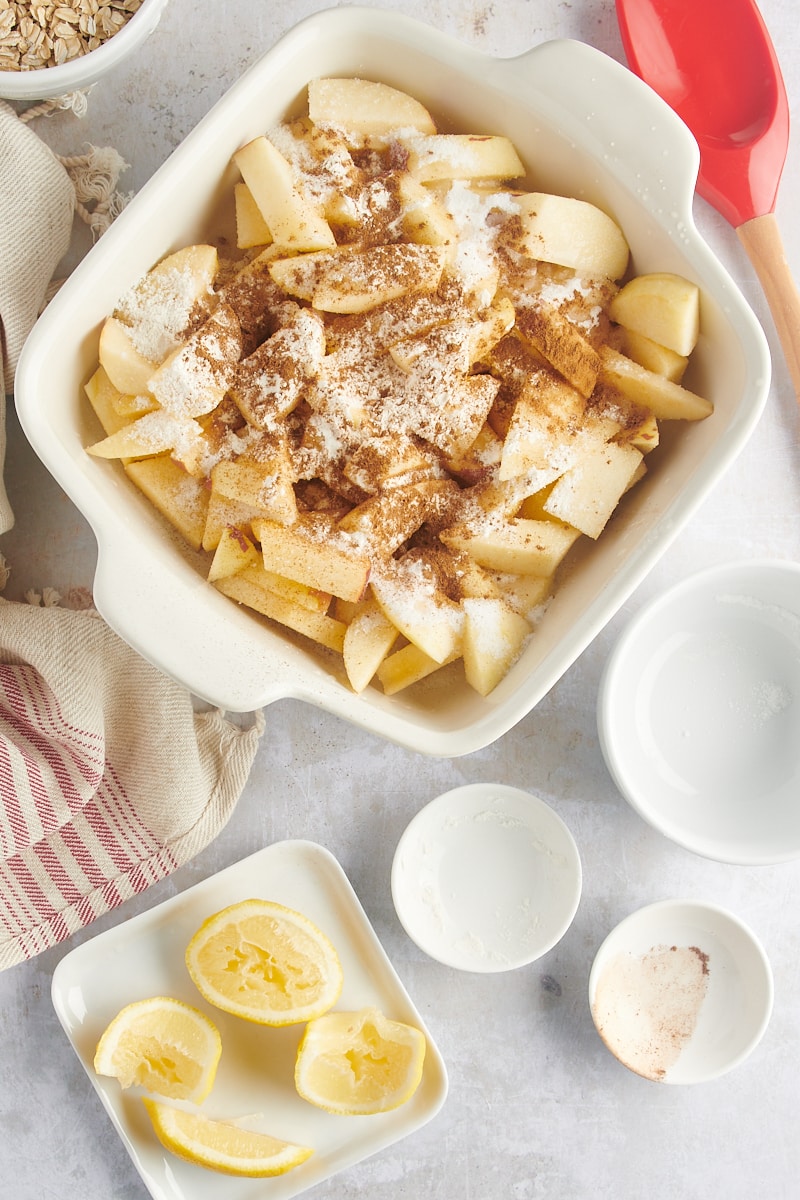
(714, 63)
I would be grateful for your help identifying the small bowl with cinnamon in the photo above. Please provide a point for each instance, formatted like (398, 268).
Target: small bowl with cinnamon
(681, 992)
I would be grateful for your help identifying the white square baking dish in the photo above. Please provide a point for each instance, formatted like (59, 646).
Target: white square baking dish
(586, 127)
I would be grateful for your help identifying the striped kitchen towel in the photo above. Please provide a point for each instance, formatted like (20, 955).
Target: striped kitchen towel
(109, 777)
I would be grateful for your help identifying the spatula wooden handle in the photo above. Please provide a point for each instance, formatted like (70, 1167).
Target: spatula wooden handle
(762, 240)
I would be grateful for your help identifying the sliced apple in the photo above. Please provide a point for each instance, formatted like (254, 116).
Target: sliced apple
(291, 219)
(462, 156)
(548, 333)
(355, 280)
(667, 401)
(662, 306)
(425, 219)
(526, 593)
(234, 552)
(262, 486)
(409, 595)
(652, 355)
(307, 557)
(369, 638)
(365, 107)
(128, 370)
(194, 378)
(154, 433)
(104, 397)
(251, 228)
(160, 307)
(407, 666)
(314, 599)
(321, 628)
(572, 233)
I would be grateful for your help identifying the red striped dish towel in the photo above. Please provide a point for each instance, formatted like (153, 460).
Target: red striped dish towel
(109, 778)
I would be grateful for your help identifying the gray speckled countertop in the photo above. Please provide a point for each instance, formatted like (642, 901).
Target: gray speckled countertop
(537, 1106)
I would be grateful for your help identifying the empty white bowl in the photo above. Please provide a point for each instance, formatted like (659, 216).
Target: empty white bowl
(588, 128)
(681, 992)
(79, 73)
(699, 712)
(486, 878)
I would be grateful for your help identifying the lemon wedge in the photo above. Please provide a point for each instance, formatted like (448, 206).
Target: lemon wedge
(359, 1062)
(163, 1045)
(222, 1145)
(267, 963)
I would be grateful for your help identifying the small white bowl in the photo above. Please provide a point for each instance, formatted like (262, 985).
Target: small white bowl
(699, 713)
(486, 878)
(79, 73)
(681, 992)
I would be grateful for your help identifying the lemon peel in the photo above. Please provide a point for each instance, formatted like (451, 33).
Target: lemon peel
(222, 1145)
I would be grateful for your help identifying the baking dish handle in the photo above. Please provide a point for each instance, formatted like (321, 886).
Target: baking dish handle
(583, 91)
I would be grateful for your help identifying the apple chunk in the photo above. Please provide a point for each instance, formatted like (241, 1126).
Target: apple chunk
(410, 597)
(521, 546)
(290, 550)
(234, 552)
(369, 638)
(408, 665)
(176, 495)
(586, 495)
(494, 634)
(661, 306)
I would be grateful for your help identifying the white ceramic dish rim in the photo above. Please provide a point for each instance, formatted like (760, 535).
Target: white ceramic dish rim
(624, 660)
(127, 581)
(430, 831)
(143, 956)
(627, 936)
(82, 72)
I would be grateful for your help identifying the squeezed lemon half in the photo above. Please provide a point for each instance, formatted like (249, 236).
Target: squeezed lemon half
(267, 963)
(163, 1045)
(222, 1145)
(359, 1062)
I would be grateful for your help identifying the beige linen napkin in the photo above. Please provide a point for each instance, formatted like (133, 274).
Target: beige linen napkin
(39, 195)
(37, 201)
(109, 778)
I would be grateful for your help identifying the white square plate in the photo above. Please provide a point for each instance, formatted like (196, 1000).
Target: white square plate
(145, 957)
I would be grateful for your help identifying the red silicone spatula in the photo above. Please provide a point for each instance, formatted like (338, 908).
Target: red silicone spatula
(714, 63)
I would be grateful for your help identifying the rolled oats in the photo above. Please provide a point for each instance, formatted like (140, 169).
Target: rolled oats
(42, 34)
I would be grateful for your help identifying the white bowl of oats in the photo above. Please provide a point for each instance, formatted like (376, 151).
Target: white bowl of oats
(360, 444)
(51, 48)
